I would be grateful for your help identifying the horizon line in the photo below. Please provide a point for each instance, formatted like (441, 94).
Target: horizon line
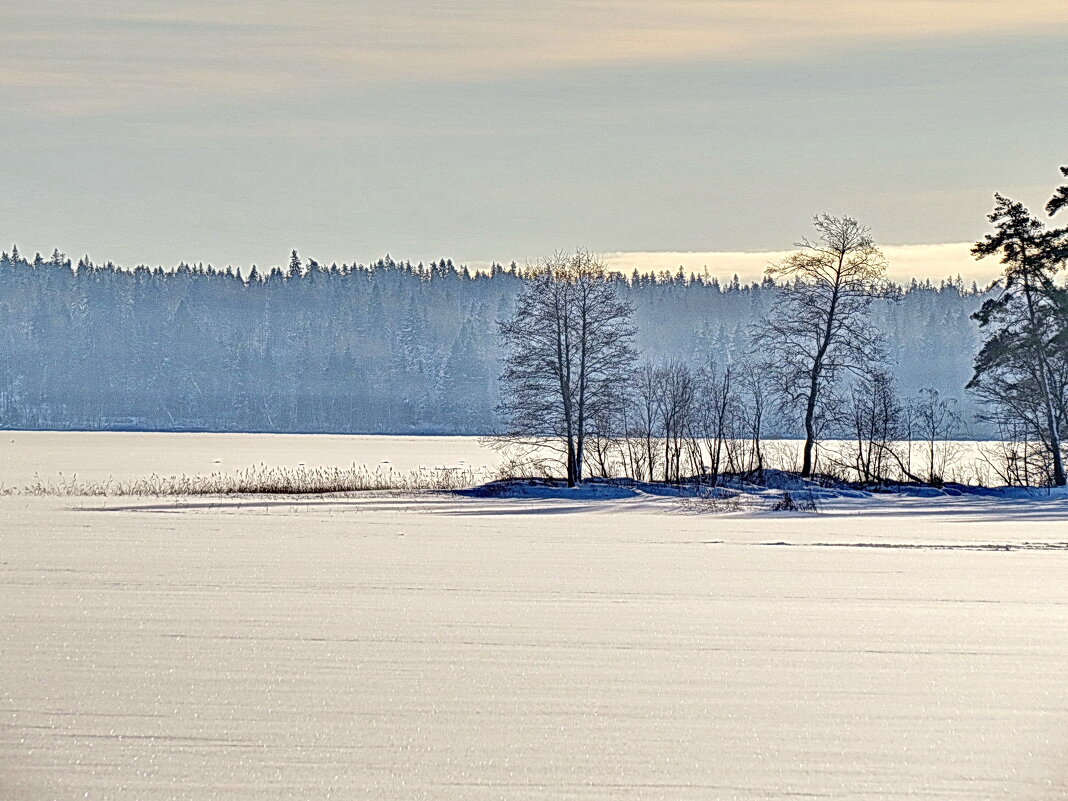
(932, 261)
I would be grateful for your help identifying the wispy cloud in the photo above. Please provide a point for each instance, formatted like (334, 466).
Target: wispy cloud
(67, 55)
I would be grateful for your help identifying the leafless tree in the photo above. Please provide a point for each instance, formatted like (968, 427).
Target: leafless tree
(676, 395)
(877, 423)
(714, 413)
(933, 420)
(568, 350)
(1015, 457)
(756, 398)
(605, 440)
(644, 427)
(819, 325)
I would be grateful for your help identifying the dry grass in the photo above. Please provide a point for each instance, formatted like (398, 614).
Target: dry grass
(264, 480)
(717, 500)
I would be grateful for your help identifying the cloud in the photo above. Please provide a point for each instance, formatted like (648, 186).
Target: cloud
(69, 56)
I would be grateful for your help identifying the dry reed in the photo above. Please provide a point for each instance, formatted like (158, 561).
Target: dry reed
(264, 480)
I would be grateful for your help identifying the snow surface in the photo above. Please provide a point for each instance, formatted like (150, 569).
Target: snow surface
(557, 646)
(98, 456)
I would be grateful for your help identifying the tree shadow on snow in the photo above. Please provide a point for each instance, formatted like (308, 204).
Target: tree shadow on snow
(967, 509)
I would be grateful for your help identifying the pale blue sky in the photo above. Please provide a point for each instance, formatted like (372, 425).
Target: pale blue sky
(477, 130)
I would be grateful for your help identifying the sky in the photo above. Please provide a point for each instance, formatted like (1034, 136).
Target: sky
(694, 132)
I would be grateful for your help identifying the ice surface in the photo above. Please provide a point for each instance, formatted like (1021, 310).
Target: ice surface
(98, 456)
(441, 647)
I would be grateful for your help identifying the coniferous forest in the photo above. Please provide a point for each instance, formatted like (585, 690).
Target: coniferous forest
(384, 348)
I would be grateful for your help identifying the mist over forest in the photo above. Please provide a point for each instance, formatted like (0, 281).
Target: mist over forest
(388, 347)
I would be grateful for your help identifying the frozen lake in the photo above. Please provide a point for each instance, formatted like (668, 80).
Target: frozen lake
(442, 647)
(98, 455)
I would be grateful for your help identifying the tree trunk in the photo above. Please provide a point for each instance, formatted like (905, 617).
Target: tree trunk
(1054, 435)
(810, 428)
(814, 379)
(1051, 419)
(806, 462)
(571, 482)
(583, 379)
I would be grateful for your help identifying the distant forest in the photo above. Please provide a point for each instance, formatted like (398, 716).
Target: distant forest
(383, 348)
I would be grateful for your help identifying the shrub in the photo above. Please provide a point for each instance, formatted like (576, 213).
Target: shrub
(800, 503)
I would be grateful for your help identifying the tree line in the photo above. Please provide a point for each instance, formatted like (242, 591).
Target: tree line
(387, 347)
(573, 381)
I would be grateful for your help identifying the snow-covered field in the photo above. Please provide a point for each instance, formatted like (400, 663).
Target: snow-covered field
(438, 646)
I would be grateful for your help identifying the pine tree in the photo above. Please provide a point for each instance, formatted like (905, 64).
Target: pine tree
(1020, 370)
(1060, 196)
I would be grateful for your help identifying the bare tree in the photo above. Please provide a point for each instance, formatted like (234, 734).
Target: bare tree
(605, 437)
(819, 324)
(568, 352)
(876, 418)
(645, 428)
(675, 399)
(1015, 457)
(935, 419)
(663, 403)
(716, 417)
(753, 406)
